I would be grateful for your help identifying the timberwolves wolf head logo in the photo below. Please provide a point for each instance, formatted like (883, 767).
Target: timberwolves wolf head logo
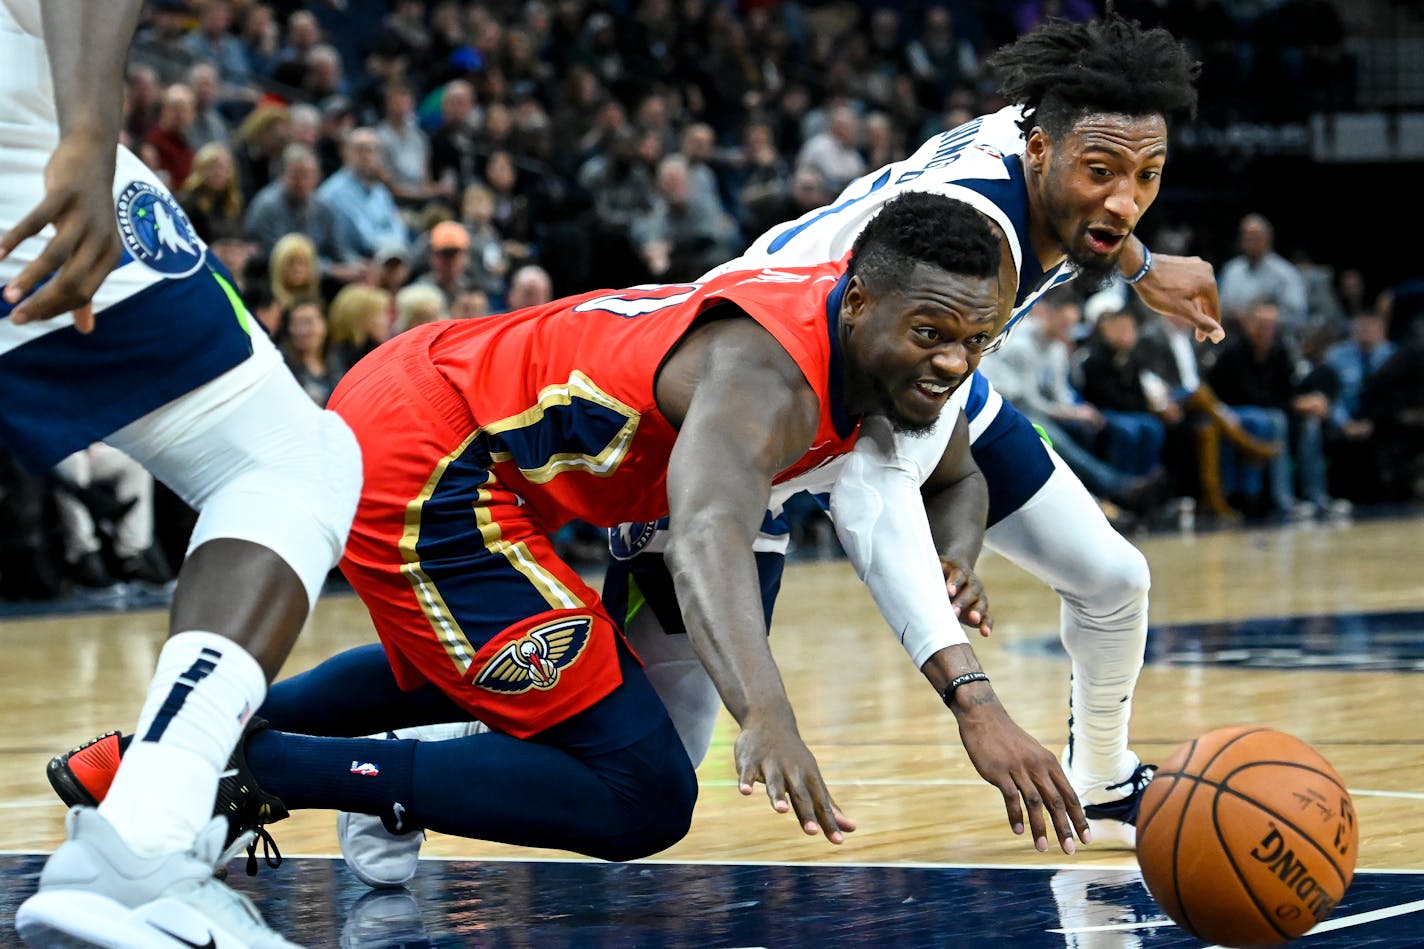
(533, 660)
(156, 232)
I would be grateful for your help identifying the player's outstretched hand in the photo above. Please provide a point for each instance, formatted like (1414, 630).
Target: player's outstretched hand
(966, 595)
(773, 753)
(79, 202)
(1183, 289)
(1025, 772)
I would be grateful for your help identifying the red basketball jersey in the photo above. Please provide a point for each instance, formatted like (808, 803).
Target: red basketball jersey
(561, 396)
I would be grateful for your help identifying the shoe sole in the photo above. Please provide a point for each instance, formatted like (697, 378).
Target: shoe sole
(81, 919)
(75, 919)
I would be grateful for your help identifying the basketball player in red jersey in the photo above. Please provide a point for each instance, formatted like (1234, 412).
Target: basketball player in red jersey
(482, 437)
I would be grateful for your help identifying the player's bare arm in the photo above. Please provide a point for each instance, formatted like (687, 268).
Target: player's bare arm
(744, 412)
(1183, 289)
(87, 43)
(956, 499)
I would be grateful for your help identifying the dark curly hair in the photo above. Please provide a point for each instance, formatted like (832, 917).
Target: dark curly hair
(1064, 70)
(923, 227)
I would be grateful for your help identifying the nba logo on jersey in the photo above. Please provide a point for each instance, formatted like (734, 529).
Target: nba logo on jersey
(156, 232)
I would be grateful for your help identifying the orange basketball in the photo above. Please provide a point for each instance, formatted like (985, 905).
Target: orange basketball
(1247, 837)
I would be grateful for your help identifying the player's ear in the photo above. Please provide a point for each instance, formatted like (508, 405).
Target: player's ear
(1036, 149)
(855, 302)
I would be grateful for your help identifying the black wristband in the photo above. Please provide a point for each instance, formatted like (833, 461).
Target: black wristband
(957, 681)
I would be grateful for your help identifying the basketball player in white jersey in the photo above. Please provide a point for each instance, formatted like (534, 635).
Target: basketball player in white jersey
(118, 324)
(1067, 173)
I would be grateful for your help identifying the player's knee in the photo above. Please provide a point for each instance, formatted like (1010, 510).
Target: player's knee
(658, 796)
(1118, 578)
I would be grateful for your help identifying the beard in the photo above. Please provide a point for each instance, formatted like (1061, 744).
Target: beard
(1094, 271)
(899, 424)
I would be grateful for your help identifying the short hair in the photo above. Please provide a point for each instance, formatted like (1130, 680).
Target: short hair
(922, 227)
(1064, 70)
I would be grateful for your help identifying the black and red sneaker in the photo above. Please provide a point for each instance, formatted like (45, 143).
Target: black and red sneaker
(84, 775)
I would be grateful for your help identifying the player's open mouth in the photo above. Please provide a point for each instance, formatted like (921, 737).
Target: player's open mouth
(934, 392)
(1104, 241)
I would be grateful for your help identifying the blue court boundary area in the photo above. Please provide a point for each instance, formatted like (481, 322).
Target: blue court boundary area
(1344, 642)
(578, 905)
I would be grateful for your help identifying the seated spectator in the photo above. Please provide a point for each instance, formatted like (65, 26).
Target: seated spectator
(211, 195)
(295, 273)
(1031, 370)
(1257, 273)
(208, 123)
(453, 158)
(304, 341)
(681, 237)
(162, 44)
(405, 149)
(418, 304)
(364, 208)
(835, 151)
(258, 150)
(488, 264)
(291, 205)
(1110, 377)
(128, 510)
(759, 175)
(360, 320)
(169, 137)
(529, 286)
(449, 257)
(1254, 373)
(471, 305)
(1351, 438)
(392, 266)
(212, 43)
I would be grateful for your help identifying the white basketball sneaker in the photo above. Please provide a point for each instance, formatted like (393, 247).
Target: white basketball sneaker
(377, 857)
(386, 853)
(1111, 809)
(95, 891)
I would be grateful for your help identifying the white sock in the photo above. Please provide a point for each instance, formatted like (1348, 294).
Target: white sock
(203, 692)
(1106, 663)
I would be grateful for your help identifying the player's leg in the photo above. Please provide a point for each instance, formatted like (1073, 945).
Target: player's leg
(1043, 519)
(275, 481)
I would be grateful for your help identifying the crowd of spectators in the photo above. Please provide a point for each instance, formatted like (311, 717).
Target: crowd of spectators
(365, 166)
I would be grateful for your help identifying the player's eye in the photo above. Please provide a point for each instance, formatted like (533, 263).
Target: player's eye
(927, 333)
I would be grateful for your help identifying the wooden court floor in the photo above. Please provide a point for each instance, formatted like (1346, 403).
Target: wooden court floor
(1315, 629)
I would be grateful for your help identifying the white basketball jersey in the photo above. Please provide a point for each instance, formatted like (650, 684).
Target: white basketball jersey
(980, 163)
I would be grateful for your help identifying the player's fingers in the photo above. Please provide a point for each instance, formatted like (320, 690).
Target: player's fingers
(84, 318)
(62, 293)
(842, 821)
(776, 790)
(1058, 813)
(1033, 803)
(31, 224)
(74, 284)
(812, 803)
(1011, 805)
(1072, 805)
(827, 814)
(47, 264)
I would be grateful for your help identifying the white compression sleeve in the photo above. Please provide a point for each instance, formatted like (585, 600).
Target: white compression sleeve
(880, 519)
